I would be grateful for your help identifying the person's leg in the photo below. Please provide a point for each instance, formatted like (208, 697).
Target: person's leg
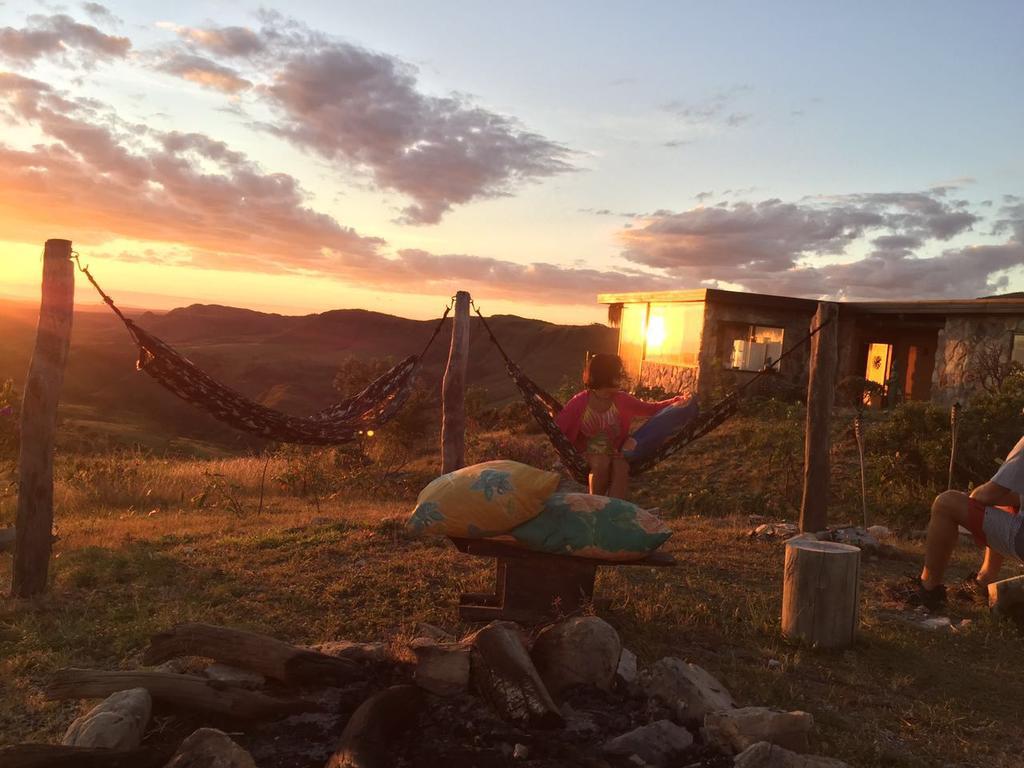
(619, 486)
(991, 495)
(600, 473)
(950, 510)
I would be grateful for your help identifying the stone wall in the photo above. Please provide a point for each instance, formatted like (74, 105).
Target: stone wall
(673, 379)
(962, 342)
(713, 375)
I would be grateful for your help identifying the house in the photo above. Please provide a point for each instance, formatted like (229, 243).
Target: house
(917, 350)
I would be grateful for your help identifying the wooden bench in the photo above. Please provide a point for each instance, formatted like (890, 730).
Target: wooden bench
(534, 587)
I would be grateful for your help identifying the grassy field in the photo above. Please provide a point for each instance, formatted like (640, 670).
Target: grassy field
(281, 546)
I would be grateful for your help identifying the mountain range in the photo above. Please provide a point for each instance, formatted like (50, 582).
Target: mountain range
(284, 362)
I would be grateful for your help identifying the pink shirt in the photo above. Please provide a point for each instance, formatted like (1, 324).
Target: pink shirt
(629, 408)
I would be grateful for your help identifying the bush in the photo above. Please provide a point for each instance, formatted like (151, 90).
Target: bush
(9, 403)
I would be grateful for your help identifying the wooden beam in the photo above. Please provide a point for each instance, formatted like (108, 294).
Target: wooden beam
(34, 521)
(249, 650)
(453, 418)
(821, 394)
(187, 692)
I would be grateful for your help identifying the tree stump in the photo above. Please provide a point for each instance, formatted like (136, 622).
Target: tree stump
(821, 593)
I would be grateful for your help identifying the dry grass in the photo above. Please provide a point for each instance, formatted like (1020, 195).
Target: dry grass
(902, 697)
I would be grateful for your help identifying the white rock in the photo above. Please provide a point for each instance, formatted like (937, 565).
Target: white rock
(937, 623)
(434, 633)
(174, 666)
(583, 650)
(879, 531)
(856, 536)
(520, 752)
(441, 668)
(689, 690)
(733, 730)
(656, 744)
(765, 755)
(210, 748)
(117, 722)
(345, 649)
(626, 671)
(774, 664)
(243, 678)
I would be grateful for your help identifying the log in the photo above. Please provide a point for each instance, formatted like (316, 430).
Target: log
(371, 730)
(505, 675)
(453, 390)
(188, 692)
(821, 394)
(59, 756)
(821, 593)
(34, 519)
(250, 650)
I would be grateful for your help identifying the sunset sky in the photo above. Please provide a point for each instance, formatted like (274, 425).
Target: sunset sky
(308, 156)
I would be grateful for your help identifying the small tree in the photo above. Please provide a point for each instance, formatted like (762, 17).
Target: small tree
(990, 367)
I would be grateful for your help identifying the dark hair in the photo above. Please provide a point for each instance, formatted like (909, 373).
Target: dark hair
(603, 371)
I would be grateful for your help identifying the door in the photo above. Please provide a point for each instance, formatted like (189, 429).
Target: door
(878, 369)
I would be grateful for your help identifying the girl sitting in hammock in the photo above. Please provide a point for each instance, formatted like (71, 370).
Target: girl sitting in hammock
(598, 420)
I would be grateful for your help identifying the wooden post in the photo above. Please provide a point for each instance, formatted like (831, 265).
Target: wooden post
(821, 592)
(453, 390)
(821, 393)
(34, 522)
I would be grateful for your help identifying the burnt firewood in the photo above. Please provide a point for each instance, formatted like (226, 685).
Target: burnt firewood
(370, 732)
(249, 650)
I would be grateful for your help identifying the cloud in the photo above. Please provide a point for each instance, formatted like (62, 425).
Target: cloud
(771, 246)
(204, 72)
(100, 13)
(59, 36)
(224, 41)
(365, 110)
(713, 110)
(102, 179)
(195, 201)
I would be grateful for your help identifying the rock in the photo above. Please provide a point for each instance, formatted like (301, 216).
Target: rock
(579, 723)
(1005, 595)
(936, 623)
(243, 678)
(656, 744)
(520, 752)
(117, 722)
(626, 672)
(733, 730)
(345, 649)
(856, 536)
(765, 755)
(879, 531)
(688, 690)
(174, 666)
(583, 650)
(767, 531)
(434, 633)
(441, 668)
(210, 748)
(775, 664)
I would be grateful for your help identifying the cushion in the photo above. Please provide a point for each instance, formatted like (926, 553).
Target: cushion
(485, 499)
(659, 428)
(592, 526)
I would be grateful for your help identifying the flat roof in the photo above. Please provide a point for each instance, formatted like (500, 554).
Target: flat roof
(1012, 305)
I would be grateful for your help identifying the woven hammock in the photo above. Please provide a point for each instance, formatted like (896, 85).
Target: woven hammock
(544, 408)
(339, 423)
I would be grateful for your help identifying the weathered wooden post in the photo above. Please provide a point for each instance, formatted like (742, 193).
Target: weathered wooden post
(821, 393)
(34, 521)
(453, 390)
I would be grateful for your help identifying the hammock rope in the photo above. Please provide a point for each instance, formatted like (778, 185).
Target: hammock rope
(544, 408)
(342, 422)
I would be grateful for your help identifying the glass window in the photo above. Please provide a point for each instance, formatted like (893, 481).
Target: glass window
(752, 347)
(673, 333)
(1017, 350)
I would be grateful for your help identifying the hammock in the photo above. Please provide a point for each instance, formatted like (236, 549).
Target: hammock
(544, 408)
(339, 423)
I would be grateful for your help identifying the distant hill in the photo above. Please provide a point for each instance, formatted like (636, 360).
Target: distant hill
(285, 362)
